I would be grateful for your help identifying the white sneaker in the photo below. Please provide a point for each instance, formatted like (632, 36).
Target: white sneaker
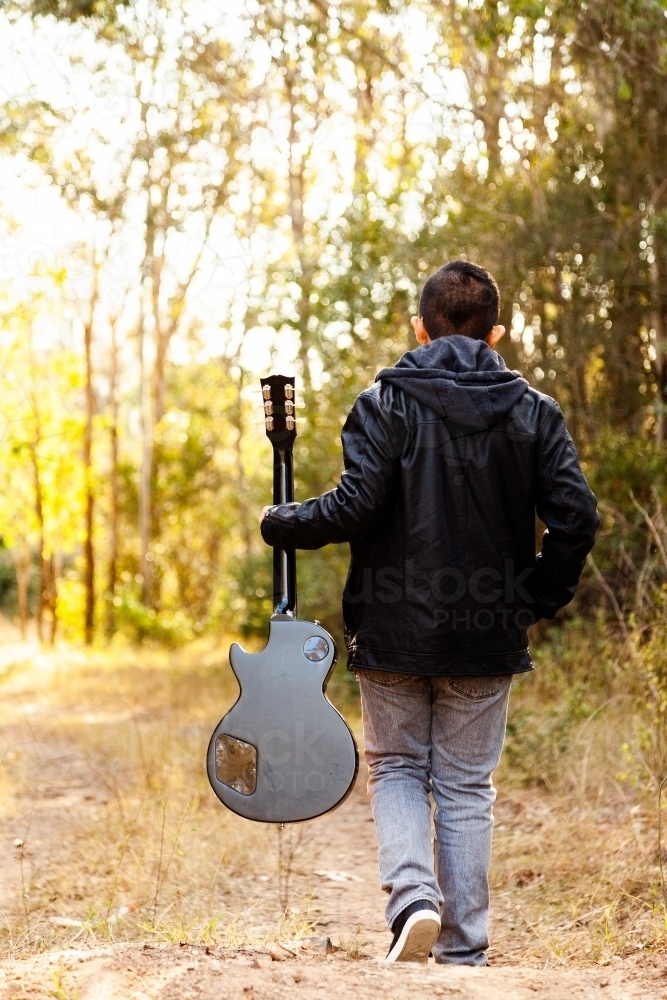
(415, 929)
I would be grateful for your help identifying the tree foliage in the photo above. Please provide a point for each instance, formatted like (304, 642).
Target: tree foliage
(276, 182)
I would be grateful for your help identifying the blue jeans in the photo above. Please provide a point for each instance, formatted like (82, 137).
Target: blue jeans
(444, 736)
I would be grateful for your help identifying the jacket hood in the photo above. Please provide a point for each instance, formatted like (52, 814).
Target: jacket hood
(462, 379)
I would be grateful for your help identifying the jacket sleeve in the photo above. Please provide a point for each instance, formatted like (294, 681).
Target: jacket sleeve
(565, 503)
(371, 445)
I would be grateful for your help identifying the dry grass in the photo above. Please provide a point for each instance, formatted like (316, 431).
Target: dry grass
(104, 785)
(102, 779)
(576, 873)
(575, 883)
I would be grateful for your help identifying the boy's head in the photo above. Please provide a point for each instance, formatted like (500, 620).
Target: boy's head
(459, 298)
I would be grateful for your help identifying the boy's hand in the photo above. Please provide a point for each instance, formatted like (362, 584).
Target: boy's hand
(263, 514)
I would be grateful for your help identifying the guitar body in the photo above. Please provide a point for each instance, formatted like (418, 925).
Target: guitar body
(283, 753)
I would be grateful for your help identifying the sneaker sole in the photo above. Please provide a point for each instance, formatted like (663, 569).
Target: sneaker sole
(417, 938)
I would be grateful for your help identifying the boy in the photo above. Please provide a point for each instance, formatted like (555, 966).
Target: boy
(448, 457)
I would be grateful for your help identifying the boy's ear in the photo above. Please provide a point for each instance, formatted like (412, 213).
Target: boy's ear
(420, 330)
(494, 336)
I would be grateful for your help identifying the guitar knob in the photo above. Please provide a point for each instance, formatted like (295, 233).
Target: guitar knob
(315, 648)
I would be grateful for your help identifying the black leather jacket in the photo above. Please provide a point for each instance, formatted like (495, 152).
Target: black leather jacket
(447, 459)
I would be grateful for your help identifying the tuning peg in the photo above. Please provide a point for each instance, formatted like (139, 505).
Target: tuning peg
(289, 391)
(289, 423)
(269, 423)
(289, 406)
(266, 391)
(268, 408)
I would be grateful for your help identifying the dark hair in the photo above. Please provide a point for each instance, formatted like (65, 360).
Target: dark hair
(460, 298)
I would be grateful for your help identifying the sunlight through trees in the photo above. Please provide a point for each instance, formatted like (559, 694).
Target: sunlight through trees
(194, 195)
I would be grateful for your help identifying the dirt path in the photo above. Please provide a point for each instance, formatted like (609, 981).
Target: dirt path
(58, 795)
(334, 865)
(136, 972)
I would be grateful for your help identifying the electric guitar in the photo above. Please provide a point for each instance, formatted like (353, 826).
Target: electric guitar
(283, 753)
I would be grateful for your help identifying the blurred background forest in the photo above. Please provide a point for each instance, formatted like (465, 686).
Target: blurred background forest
(193, 196)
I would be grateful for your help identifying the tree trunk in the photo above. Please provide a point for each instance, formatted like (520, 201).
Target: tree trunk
(150, 308)
(145, 473)
(39, 513)
(48, 597)
(113, 488)
(582, 429)
(241, 485)
(658, 305)
(89, 508)
(22, 562)
(52, 566)
(296, 196)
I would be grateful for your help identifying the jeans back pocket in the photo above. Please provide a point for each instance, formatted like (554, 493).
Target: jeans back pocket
(477, 688)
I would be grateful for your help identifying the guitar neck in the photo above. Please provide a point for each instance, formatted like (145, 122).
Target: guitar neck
(279, 417)
(284, 560)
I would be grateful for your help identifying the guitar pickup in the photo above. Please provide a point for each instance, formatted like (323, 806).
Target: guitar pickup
(268, 408)
(236, 764)
(289, 406)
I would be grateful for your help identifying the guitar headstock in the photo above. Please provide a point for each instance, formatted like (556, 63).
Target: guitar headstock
(279, 399)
